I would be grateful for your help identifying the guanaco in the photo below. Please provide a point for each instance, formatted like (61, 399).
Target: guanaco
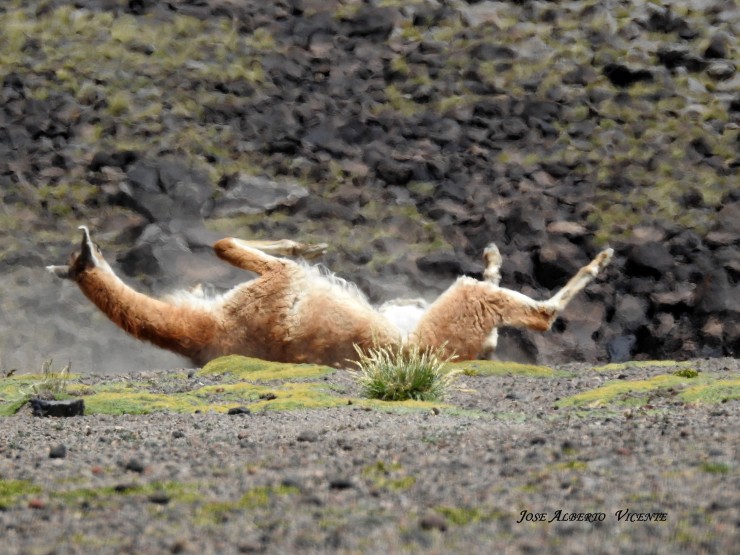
(295, 312)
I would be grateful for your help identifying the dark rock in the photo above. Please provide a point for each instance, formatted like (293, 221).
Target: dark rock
(140, 7)
(630, 311)
(622, 76)
(517, 345)
(444, 130)
(58, 451)
(649, 260)
(240, 411)
(159, 498)
(486, 52)
(325, 137)
(514, 128)
(166, 189)
(447, 264)
(525, 225)
(140, 260)
(308, 436)
(316, 208)
(679, 56)
(144, 176)
(247, 194)
(582, 75)
(674, 302)
(134, 465)
(622, 348)
(665, 21)
(701, 147)
(728, 218)
(722, 70)
(556, 261)
(394, 172)
(716, 294)
(433, 521)
(718, 45)
(341, 483)
(371, 22)
(42, 407)
(118, 159)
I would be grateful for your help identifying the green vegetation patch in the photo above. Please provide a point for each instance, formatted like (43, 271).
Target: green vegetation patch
(700, 389)
(260, 385)
(173, 490)
(117, 403)
(12, 491)
(718, 391)
(461, 516)
(394, 374)
(254, 369)
(388, 476)
(715, 467)
(496, 368)
(216, 512)
(15, 390)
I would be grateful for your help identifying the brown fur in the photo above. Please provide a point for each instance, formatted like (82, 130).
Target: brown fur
(290, 313)
(180, 329)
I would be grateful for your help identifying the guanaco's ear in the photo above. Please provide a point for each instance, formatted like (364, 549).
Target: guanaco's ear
(87, 248)
(89, 256)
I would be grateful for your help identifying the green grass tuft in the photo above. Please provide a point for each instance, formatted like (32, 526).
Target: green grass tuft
(392, 374)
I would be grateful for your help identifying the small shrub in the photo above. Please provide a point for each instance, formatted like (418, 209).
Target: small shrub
(400, 374)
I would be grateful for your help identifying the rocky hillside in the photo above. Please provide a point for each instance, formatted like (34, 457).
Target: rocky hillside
(407, 134)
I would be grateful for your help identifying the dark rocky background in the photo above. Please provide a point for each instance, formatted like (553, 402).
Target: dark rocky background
(407, 134)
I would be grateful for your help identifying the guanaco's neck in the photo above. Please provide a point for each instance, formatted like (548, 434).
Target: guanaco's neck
(184, 330)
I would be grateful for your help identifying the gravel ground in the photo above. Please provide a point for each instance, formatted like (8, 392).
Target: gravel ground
(357, 480)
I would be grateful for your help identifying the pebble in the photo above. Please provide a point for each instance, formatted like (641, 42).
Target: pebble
(433, 522)
(58, 451)
(308, 436)
(135, 465)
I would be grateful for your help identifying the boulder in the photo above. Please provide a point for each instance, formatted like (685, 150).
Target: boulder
(247, 194)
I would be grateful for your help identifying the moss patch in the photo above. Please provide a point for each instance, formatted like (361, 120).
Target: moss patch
(700, 389)
(260, 385)
(495, 368)
(12, 491)
(173, 490)
(461, 516)
(388, 476)
(254, 369)
(216, 512)
(718, 391)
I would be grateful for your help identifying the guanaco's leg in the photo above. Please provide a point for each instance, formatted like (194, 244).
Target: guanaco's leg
(492, 274)
(525, 312)
(287, 247)
(257, 256)
(464, 318)
(584, 276)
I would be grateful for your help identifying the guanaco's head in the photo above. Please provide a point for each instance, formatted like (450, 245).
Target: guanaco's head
(88, 257)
